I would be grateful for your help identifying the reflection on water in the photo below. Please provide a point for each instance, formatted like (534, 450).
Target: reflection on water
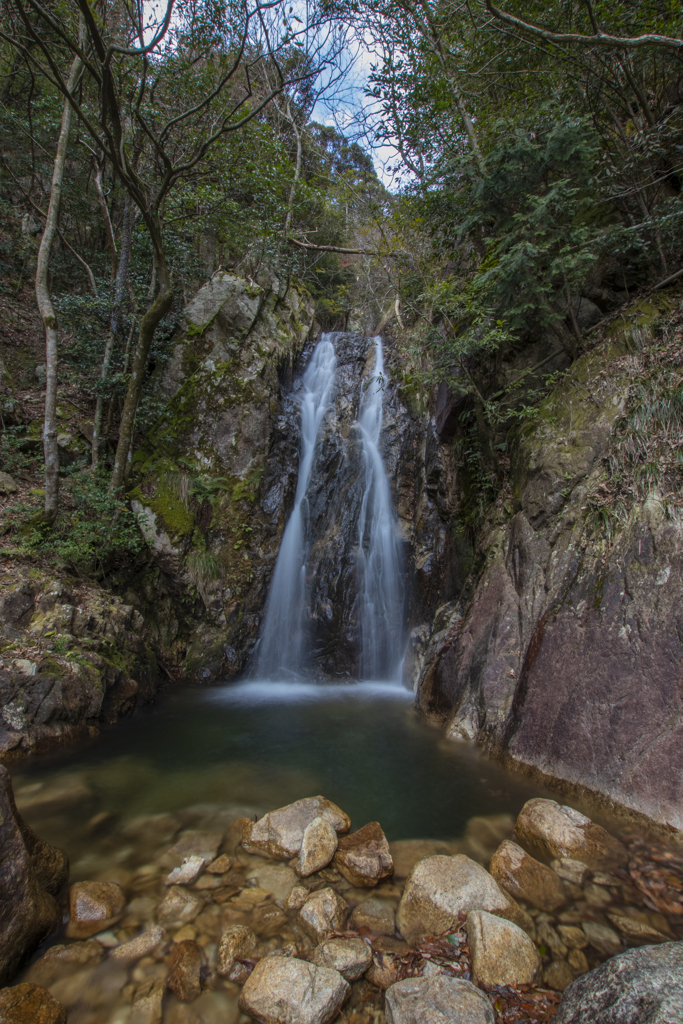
(258, 745)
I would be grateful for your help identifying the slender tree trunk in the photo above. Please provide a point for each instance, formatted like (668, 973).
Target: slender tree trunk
(102, 199)
(148, 325)
(297, 169)
(46, 308)
(115, 321)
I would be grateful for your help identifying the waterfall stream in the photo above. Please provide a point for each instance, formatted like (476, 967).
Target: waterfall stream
(379, 600)
(281, 649)
(342, 528)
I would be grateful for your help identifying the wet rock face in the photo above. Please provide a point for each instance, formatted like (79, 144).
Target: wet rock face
(105, 668)
(567, 657)
(32, 875)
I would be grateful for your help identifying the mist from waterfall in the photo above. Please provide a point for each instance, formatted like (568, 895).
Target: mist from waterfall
(282, 648)
(379, 601)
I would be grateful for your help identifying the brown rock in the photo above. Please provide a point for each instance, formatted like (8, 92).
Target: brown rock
(437, 1000)
(179, 906)
(577, 961)
(384, 969)
(526, 878)
(377, 915)
(296, 898)
(31, 876)
(636, 927)
(284, 990)
(220, 865)
(141, 945)
(603, 938)
(194, 844)
(405, 853)
(573, 937)
(502, 954)
(30, 1004)
(279, 834)
(318, 847)
(558, 975)
(184, 963)
(363, 857)
(351, 957)
(439, 889)
(323, 913)
(61, 961)
(94, 907)
(237, 943)
(563, 832)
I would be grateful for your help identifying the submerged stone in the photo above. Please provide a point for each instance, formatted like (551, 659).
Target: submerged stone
(437, 1000)
(30, 1004)
(283, 990)
(351, 957)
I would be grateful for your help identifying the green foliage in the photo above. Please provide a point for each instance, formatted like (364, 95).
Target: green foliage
(92, 531)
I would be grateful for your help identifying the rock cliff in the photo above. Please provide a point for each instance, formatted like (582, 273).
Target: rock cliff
(566, 658)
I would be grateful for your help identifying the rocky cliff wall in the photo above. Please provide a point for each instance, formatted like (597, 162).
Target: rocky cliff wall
(566, 659)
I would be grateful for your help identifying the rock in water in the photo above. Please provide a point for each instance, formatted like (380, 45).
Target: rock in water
(526, 878)
(323, 913)
(441, 888)
(640, 986)
(179, 906)
(30, 1004)
(563, 832)
(279, 834)
(237, 943)
(502, 954)
(377, 915)
(351, 957)
(93, 907)
(363, 858)
(31, 876)
(437, 1000)
(140, 946)
(318, 847)
(281, 990)
(185, 964)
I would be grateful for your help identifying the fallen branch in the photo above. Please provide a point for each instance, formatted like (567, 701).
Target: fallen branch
(669, 280)
(342, 250)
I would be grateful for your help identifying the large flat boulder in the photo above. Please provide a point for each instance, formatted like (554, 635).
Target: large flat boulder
(279, 834)
(32, 876)
(281, 990)
(640, 986)
(439, 889)
(437, 1000)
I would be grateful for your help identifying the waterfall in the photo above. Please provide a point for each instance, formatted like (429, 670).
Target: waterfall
(379, 601)
(281, 649)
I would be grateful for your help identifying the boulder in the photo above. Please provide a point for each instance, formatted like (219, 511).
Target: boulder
(439, 889)
(237, 943)
(526, 878)
(640, 986)
(179, 906)
(363, 857)
(32, 875)
(93, 907)
(279, 834)
(437, 1000)
(30, 1004)
(502, 954)
(351, 957)
(323, 913)
(184, 964)
(283, 990)
(560, 831)
(574, 871)
(405, 853)
(318, 846)
(7, 484)
(376, 915)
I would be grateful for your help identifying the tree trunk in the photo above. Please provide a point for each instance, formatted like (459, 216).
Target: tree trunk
(148, 325)
(297, 169)
(102, 200)
(115, 321)
(46, 309)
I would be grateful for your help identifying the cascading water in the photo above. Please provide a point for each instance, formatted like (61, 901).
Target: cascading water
(281, 649)
(379, 601)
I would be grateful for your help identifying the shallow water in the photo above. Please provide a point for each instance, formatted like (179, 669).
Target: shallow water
(257, 745)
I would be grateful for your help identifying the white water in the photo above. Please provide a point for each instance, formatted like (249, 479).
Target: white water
(282, 646)
(379, 602)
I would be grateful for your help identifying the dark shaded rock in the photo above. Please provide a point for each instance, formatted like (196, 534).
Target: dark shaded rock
(32, 875)
(363, 857)
(640, 986)
(30, 1004)
(16, 606)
